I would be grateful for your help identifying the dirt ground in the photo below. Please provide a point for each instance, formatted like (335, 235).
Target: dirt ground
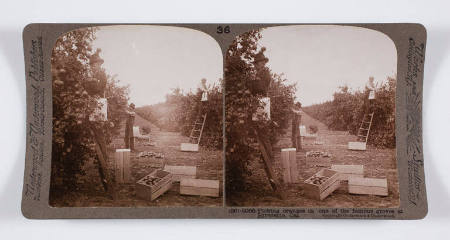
(378, 163)
(208, 162)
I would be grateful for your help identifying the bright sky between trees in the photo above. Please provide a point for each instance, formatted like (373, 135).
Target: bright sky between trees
(152, 60)
(321, 58)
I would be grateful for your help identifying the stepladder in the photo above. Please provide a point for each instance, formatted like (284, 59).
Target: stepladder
(197, 129)
(362, 134)
(364, 128)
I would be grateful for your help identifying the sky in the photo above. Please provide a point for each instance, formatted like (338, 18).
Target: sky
(321, 58)
(152, 60)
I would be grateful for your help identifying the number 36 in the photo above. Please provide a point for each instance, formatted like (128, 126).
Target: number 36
(221, 29)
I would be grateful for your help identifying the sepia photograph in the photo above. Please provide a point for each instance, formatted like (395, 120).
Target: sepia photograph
(310, 118)
(137, 118)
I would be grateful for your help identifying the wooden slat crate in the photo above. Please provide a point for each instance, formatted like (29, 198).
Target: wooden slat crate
(347, 171)
(189, 147)
(200, 187)
(358, 146)
(122, 166)
(369, 186)
(289, 163)
(320, 189)
(180, 172)
(154, 185)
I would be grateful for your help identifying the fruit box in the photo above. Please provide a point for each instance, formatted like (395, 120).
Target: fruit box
(357, 146)
(189, 147)
(289, 165)
(122, 169)
(200, 187)
(180, 172)
(346, 172)
(321, 184)
(368, 186)
(154, 185)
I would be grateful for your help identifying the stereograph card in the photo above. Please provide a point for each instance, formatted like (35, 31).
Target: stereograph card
(224, 121)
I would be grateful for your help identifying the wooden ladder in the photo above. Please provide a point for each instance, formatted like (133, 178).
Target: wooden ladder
(197, 129)
(364, 128)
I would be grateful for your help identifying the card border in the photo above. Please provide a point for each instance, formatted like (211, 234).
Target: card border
(38, 42)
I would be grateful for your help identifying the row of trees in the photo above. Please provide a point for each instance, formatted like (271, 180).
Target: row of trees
(348, 107)
(180, 111)
(79, 81)
(247, 80)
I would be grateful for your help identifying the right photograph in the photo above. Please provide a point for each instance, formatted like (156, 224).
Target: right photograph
(310, 118)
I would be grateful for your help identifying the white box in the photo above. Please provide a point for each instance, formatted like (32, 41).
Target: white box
(368, 186)
(200, 187)
(189, 147)
(180, 172)
(359, 146)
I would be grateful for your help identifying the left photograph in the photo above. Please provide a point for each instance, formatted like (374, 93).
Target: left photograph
(137, 118)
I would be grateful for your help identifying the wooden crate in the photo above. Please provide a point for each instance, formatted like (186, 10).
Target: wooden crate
(122, 166)
(347, 171)
(358, 146)
(289, 164)
(369, 186)
(201, 187)
(320, 191)
(180, 172)
(189, 147)
(137, 134)
(149, 190)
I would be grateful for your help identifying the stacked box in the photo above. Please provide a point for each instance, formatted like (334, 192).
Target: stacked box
(289, 164)
(369, 186)
(122, 168)
(346, 172)
(154, 185)
(189, 147)
(321, 184)
(180, 172)
(357, 146)
(201, 187)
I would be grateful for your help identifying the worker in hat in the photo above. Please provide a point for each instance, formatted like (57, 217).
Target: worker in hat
(296, 121)
(129, 138)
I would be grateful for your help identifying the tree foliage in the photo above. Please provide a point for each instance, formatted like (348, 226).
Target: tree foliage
(181, 110)
(247, 80)
(79, 82)
(347, 109)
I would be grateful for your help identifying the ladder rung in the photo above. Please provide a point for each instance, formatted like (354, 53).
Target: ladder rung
(362, 136)
(364, 129)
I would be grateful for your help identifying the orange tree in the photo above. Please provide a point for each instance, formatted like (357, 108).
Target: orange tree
(192, 107)
(180, 110)
(79, 82)
(247, 80)
(347, 109)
